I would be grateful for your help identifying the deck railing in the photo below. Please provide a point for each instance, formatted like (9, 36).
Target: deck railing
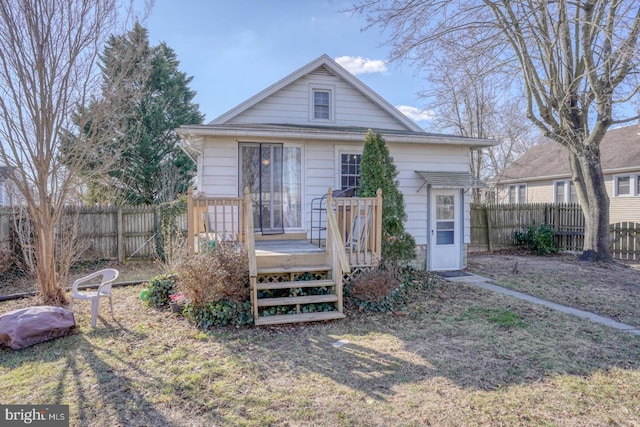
(215, 219)
(358, 224)
(359, 221)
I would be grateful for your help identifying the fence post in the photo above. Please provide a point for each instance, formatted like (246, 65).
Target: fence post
(489, 230)
(120, 235)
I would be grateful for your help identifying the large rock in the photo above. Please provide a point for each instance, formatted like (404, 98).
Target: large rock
(28, 326)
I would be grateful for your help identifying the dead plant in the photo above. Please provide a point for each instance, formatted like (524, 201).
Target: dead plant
(218, 275)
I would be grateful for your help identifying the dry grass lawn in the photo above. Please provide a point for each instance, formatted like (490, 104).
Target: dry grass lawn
(609, 290)
(457, 355)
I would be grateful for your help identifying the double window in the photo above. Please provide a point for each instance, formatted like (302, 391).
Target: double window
(518, 193)
(564, 192)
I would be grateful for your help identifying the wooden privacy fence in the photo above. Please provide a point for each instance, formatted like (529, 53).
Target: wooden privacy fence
(625, 240)
(493, 227)
(104, 232)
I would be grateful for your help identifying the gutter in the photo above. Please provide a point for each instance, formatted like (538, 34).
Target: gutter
(188, 132)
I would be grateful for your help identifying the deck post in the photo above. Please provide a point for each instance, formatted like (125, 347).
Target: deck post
(336, 271)
(250, 245)
(378, 249)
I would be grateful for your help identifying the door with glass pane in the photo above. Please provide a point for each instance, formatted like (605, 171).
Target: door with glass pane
(272, 173)
(444, 224)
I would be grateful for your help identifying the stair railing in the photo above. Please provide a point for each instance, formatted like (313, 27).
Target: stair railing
(336, 249)
(251, 252)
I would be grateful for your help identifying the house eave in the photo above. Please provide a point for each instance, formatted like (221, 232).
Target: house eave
(318, 134)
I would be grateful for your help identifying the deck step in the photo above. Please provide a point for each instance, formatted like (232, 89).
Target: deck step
(296, 284)
(298, 318)
(296, 269)
(290, 261)
(308, 299)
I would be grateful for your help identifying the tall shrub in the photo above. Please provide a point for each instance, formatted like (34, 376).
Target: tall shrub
(377, 170)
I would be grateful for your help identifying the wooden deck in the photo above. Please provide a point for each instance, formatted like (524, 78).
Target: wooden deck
(291, 279)
(285, 247)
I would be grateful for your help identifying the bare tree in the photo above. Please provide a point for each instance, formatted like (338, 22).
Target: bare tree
(578, 63)
(48, 68)
(469, 101)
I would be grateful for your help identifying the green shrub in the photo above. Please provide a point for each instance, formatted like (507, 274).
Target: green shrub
(537, 238)
(377, 170)
(221, 313)
(160, 287)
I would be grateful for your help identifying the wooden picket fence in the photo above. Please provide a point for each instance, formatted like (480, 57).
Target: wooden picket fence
(105, 232)
(493, 227)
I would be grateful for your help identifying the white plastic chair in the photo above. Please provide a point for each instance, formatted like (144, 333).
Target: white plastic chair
(104, 290)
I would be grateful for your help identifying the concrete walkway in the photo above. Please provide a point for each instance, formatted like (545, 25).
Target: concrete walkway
(485, 283)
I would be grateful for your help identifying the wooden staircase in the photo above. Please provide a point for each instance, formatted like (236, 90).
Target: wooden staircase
(292, 280)
(294, 284)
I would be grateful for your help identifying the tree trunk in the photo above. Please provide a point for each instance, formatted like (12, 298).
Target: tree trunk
(50, 292)
(594, 200)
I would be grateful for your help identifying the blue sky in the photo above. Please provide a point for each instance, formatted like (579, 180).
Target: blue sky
(236, 48)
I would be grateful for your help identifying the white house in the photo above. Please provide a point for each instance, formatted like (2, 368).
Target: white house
(304, 134)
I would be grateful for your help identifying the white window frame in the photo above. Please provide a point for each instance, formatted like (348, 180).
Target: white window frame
(519, 197)
(633, 185)
(313, 88)
(339, 151)
(567, 185)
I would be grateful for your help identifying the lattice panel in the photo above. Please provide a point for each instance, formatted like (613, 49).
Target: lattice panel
(274, 278)
(316, 275)
(355, 272)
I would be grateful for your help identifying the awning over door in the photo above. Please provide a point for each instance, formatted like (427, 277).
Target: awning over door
(447, 179)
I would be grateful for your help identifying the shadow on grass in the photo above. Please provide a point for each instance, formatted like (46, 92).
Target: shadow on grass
(106, 387)
(456, 338)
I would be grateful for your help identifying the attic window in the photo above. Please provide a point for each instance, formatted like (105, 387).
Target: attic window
(321, 103)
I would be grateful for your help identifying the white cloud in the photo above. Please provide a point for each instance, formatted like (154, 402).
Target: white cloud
(416, 114)
(359, 65)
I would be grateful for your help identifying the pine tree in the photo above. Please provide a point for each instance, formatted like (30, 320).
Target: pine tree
(150, 167)
(377, 170)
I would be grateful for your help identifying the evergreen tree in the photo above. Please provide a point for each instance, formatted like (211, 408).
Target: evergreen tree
(150, 166)
(377, 170)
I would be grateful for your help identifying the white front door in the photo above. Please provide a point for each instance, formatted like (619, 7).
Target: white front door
(445, 229)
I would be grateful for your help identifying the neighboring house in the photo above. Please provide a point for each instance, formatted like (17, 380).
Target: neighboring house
(542, 174)
(4, 186)
(301, 136)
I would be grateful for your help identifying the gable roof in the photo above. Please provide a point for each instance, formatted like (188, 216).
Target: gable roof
(619, 150)
(332, 67)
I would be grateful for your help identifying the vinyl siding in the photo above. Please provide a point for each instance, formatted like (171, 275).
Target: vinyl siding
(219, 175)
(291, 105)
(320, 161)
(621, 208)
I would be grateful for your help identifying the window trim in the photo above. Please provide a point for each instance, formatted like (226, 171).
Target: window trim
(339, 151)
(518, 196)
(633, 185)
(568, 185)
(313, 88)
